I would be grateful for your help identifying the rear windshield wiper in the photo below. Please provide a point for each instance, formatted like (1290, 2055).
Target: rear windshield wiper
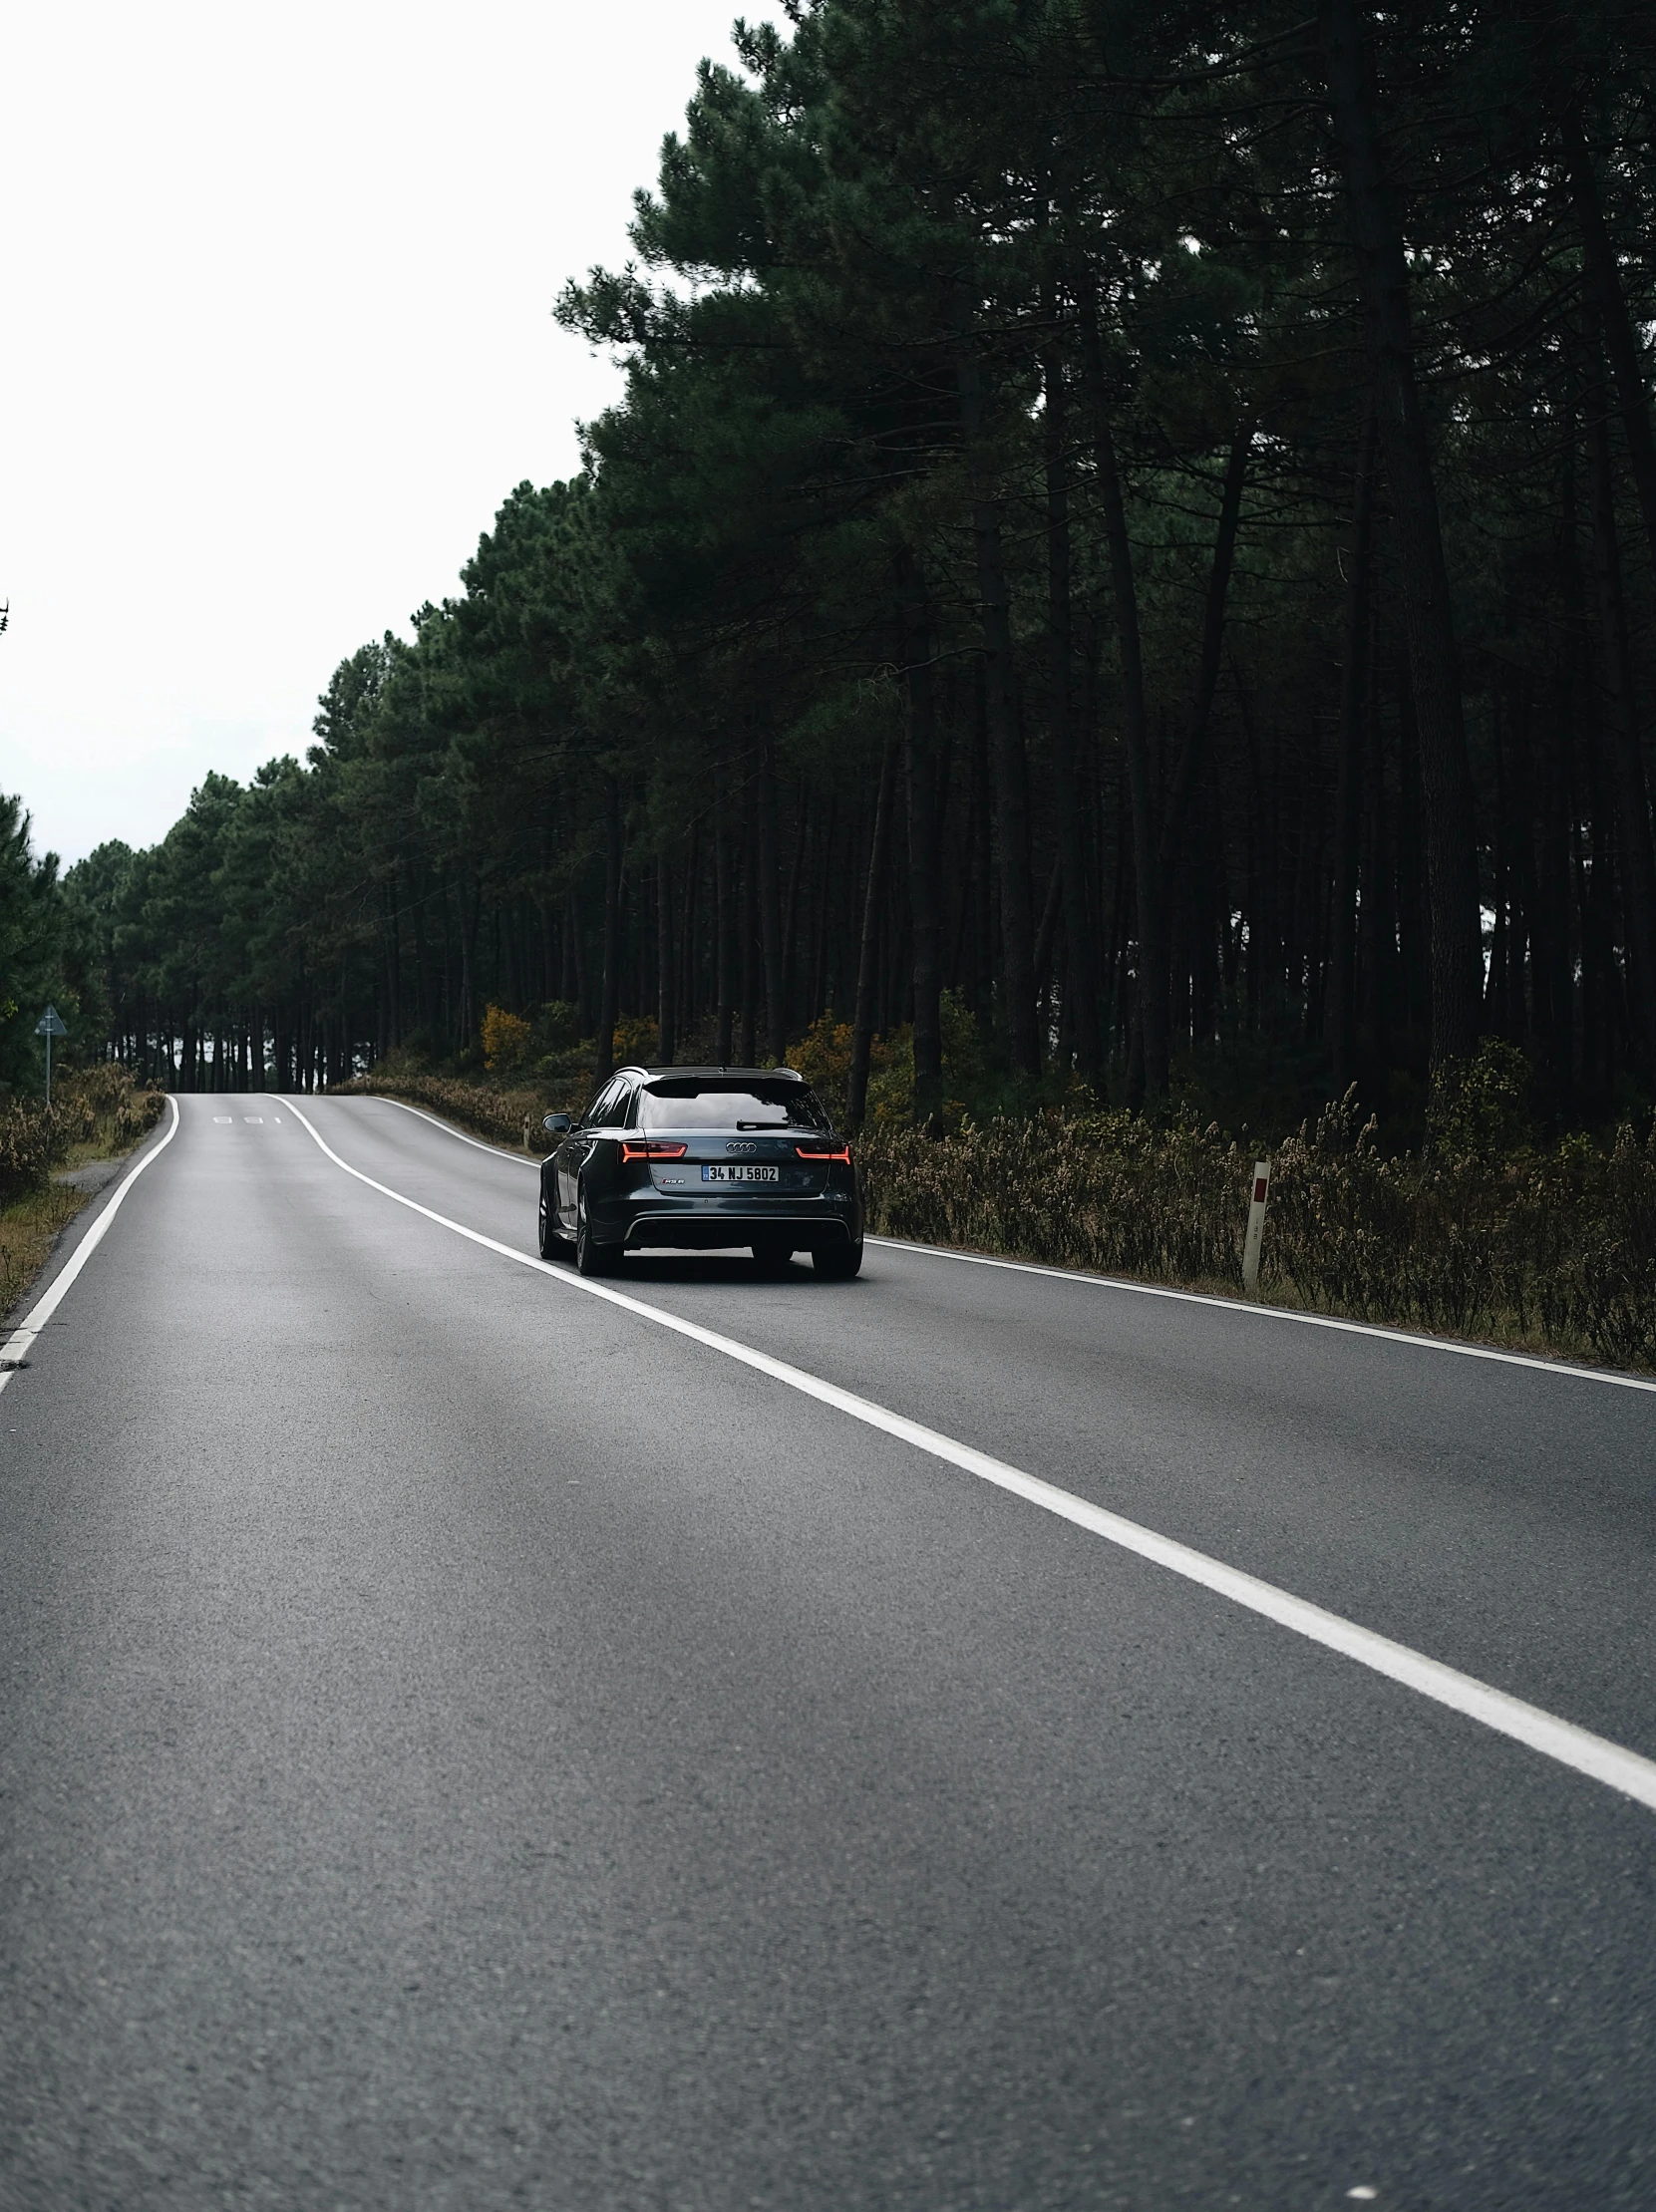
(761, 1124)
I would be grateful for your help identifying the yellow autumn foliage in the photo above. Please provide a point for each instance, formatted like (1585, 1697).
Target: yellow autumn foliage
(505, 1037)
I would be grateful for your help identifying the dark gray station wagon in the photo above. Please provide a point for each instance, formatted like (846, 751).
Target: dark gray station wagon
(702, 1159)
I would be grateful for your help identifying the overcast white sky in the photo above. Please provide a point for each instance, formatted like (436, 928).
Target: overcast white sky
(277, 342)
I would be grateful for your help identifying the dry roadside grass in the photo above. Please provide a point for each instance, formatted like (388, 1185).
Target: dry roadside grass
(29, 1227)
(114, 1119)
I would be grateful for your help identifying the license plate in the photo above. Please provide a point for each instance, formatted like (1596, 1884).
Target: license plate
(741, 1174)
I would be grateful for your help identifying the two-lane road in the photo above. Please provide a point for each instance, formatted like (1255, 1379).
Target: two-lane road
(468, 1745)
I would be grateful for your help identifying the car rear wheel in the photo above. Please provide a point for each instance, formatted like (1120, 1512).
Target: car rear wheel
(591, 1257)
(838, 1262)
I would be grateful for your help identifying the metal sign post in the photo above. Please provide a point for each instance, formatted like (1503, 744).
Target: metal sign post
(50, 1025)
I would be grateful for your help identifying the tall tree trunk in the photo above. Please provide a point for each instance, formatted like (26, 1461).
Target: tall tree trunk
(770, 903)
(609, 990)
(1377, 921)
(1520, 821)
(1505, 996)
(686, 999)
(867, 966)
(392, 1025)
(573, 979)
(749, 932)
(1265, 934)
(1412, 892)
(790, 910)
(1182, 788)
(1446, 770)
(820, 985)
(981, 863)
(1599, 1026)
(1557, 821)
(470, 922)
(1046, 935)
(1618, 720)
(1005, 735)
(920, 771)
(421, 967)
(1620, 340)
(1080, 928)
(724, 904)
(666, 1013)
(583, 965)
(1150, 995)
(445, 1010)
(1340, 1014)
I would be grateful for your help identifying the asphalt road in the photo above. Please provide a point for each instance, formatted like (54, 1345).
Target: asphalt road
(463, 1746)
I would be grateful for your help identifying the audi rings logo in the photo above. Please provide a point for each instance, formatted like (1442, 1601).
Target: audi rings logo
(743, 1148)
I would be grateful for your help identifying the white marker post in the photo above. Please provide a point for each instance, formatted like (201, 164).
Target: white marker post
(1256, 1226)
(50, 1025)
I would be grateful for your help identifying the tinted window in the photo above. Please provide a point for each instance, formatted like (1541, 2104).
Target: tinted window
(719, 1105)
(600, 1115)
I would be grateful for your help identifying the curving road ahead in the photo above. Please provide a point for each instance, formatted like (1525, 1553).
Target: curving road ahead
(468, 1744)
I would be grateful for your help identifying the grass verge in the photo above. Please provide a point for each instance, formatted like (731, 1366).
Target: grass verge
(97, 1114)
(29, 1227)
(509, 1117)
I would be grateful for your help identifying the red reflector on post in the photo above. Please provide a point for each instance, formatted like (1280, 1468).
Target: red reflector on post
(630, 1151)
(1260, 1191)
(806, 1151)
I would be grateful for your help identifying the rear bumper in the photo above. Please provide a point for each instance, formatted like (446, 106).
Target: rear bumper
(711, 1224)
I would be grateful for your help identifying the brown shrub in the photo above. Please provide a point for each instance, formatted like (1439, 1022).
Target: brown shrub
(1106, 1191)
(505, 1039)
(1554, 1249)
(95, 1107)
(32, 1140)
(507, 1116)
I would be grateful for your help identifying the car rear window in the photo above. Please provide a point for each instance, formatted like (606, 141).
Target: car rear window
(719, 1105)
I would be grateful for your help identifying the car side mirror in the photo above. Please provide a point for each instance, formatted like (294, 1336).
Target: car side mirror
(557, 1125)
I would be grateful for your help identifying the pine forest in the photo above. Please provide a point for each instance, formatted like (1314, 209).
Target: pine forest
(1123, 570)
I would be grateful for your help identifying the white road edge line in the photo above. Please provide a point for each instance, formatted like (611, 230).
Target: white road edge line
(1417, 1340)
(1594, 1755)
(477, 1143)
(1420, 1342)
(17, 1345)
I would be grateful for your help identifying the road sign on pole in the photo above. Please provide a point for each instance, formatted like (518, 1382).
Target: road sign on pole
(50, 1025)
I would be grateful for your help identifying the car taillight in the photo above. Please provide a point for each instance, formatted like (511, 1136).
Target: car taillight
(812, 1151)
(630, 1151)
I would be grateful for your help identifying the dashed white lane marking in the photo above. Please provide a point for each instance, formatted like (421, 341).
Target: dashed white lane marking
(1594, 1755)
(227, 1117)
(254, 1120)
(16, 1346)
(1417, 1341)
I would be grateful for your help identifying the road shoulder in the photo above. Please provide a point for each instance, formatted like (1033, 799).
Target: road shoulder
(67, 1209)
